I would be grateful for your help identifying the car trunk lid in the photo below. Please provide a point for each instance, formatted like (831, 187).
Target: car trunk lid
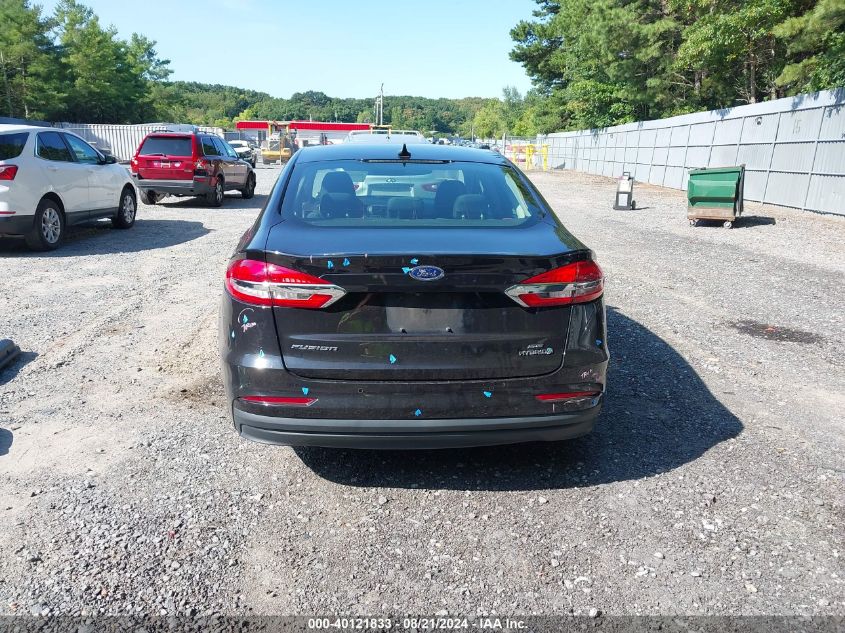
(394, 325)
(168, 157)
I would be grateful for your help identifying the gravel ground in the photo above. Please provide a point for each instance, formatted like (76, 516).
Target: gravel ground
(712, 485)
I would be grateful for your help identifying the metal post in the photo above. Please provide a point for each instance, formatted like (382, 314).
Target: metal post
(625, 153)
(712, 140)
(771, 157)
(739, 140)
(813, 162)
(686, 150)
(651, 162)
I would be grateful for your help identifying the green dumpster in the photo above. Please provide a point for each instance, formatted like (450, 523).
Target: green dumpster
(715, 194)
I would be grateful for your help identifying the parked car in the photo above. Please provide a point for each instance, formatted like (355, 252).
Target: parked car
(245, 151)
(467, 315)
(51, 179)
(400, 137)
(189, 164)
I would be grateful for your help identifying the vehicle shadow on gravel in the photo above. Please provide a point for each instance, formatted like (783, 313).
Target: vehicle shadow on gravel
(658, 415)
(6, 440)
(230, 201)
(101, 239)
(10, 371)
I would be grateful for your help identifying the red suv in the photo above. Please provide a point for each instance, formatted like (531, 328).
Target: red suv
(193, 164)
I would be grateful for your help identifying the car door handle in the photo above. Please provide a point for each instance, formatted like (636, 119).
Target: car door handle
(52, 168)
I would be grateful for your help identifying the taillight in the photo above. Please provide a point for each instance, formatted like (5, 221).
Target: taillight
(259, 283)
(201, 167)
(430, 186)
(567, 395)
(296, 401)
(578, 282)
(8, 172)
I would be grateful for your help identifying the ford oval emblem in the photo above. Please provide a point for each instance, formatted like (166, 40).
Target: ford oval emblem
(426, 273)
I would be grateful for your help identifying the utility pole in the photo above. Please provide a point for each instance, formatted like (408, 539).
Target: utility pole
(378, 110)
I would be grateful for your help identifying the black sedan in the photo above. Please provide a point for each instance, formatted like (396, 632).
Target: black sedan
(421, 297)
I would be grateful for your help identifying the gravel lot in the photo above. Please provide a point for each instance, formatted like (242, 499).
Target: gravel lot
(712, 485)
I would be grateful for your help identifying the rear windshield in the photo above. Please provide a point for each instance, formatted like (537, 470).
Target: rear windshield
(11, 145)
(422, 194)
(167, 146)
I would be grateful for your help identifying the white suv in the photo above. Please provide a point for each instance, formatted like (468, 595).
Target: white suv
(50, 179)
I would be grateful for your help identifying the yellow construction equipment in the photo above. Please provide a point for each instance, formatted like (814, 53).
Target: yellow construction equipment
(529, 156)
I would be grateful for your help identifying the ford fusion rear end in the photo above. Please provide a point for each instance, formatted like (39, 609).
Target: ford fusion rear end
(443, 305)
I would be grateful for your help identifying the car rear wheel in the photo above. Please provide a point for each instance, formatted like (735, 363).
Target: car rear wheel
(125, 217)
(49, 227)
(249, 190)
(214, 198)
(150, 197)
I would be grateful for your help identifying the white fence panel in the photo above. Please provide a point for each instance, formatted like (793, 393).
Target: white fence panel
(122, 140)
(793, 149)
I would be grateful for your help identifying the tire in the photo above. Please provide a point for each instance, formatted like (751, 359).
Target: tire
(48, 230)
(126, 211)
(249, 190)
(214, 198)
(150, 197)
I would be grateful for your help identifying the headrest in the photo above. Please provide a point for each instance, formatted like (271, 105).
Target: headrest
(471, 206)
(337, 182)
(444, 199)
(340, 205)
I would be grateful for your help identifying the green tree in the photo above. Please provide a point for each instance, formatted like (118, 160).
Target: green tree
(30, 67)
(603, 62)
(490, 121)
(734, 44)
(815, 44)
(101, 87)
(594, 53)
(148, 74)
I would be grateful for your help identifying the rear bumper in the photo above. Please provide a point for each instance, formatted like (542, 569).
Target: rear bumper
(16, 224)
(413, 434)
(193, 187)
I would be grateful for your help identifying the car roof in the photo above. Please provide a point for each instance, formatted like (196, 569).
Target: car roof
(178, 134)
(7, 127)
(423, 151)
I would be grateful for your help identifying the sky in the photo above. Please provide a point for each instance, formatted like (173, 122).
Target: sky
(344, 48)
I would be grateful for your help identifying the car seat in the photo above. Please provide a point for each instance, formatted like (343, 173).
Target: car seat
(471, 206)
(338, 198)
(404, 208)
(444, 200)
